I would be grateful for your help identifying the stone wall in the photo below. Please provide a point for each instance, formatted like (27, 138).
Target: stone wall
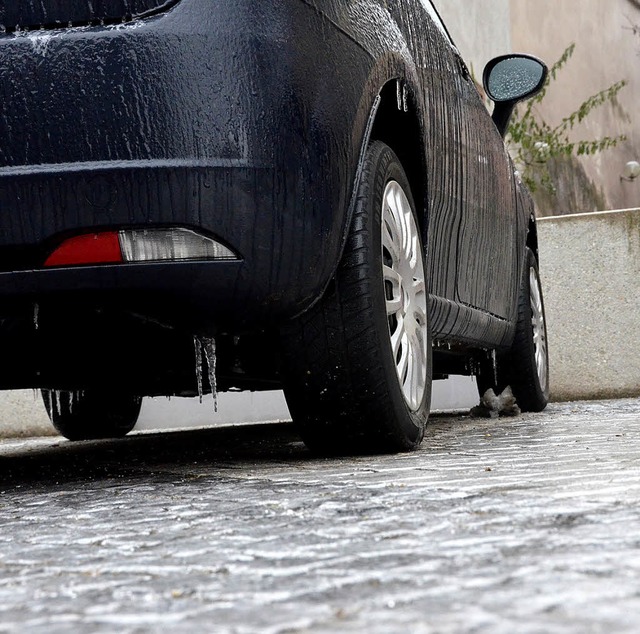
(607, 51)
(481, 29)
(590, 268)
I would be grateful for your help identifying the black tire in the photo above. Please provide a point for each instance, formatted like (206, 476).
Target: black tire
(341, 382)
(92, 414)
(525, 367)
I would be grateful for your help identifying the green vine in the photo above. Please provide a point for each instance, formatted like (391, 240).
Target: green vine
(533, 142)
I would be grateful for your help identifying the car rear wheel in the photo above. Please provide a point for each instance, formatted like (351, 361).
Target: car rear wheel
(358, 364)
(526, 365)
(91, 414)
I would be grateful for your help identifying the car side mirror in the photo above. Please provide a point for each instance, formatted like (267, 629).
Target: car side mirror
(509, 79)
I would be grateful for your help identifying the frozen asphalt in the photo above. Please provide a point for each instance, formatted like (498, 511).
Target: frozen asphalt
(512, 525)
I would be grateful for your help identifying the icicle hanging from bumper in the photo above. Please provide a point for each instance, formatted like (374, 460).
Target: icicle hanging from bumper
(206, 347)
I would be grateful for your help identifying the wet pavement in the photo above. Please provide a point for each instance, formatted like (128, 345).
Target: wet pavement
(526, 525)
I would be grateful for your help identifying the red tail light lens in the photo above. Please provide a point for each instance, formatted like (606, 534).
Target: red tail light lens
(92, 248)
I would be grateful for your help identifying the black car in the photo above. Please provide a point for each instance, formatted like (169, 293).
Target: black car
(310, 194)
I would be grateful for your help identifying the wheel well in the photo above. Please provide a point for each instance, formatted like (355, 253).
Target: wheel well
(400, 129)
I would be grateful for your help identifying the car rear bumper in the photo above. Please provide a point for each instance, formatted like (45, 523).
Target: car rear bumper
(212, 116)
(193, 294)
(223, 199)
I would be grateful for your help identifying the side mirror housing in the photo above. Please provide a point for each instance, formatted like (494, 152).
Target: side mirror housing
(509, 79)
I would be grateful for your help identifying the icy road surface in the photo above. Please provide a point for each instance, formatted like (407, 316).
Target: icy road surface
(512, 525)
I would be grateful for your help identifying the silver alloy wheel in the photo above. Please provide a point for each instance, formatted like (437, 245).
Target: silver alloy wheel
(539, 329)
(405, 293)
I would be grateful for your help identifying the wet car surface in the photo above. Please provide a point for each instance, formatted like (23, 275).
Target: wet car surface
(240, 195)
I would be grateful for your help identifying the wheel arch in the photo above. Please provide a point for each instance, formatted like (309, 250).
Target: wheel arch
(382, 116)
(397, 124)
(532, 237)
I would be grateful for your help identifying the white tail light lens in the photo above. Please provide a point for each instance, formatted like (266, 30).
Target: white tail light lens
(152, 245)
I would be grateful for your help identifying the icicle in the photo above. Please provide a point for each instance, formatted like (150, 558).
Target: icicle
(399, 93)
(198, 348)
(49, 394)
(36, 311)
(58, 394)
(494, 364)
(405, 98)
(209, 345)
(72, 398)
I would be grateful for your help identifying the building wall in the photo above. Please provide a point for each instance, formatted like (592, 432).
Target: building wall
(480, 28)
(606, 51)
(590, 269)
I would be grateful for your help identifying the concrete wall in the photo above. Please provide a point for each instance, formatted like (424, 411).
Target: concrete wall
(590, 268)
(606, 51)
(481, 29)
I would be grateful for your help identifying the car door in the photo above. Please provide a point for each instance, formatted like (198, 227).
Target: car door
(487, 231)
(472, 219)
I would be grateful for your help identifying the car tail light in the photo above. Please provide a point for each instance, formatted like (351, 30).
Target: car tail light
(149, 245)
(138, 245)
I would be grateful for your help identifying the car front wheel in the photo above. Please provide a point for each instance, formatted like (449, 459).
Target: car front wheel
(358, 364)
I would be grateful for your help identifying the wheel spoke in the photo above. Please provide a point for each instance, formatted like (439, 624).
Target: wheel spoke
(403, 362)
(420, 318)
(396, 339)
(393, 306)
(389, 240)
(393, 277)
(418, 369)
(394, 283)
(419, 287)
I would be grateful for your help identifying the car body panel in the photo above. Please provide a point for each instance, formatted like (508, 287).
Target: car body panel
(247, 121)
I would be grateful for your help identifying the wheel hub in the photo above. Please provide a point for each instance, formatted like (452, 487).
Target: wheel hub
(405, 293)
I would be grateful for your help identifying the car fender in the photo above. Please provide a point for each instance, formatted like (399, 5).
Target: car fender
(392, 67)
